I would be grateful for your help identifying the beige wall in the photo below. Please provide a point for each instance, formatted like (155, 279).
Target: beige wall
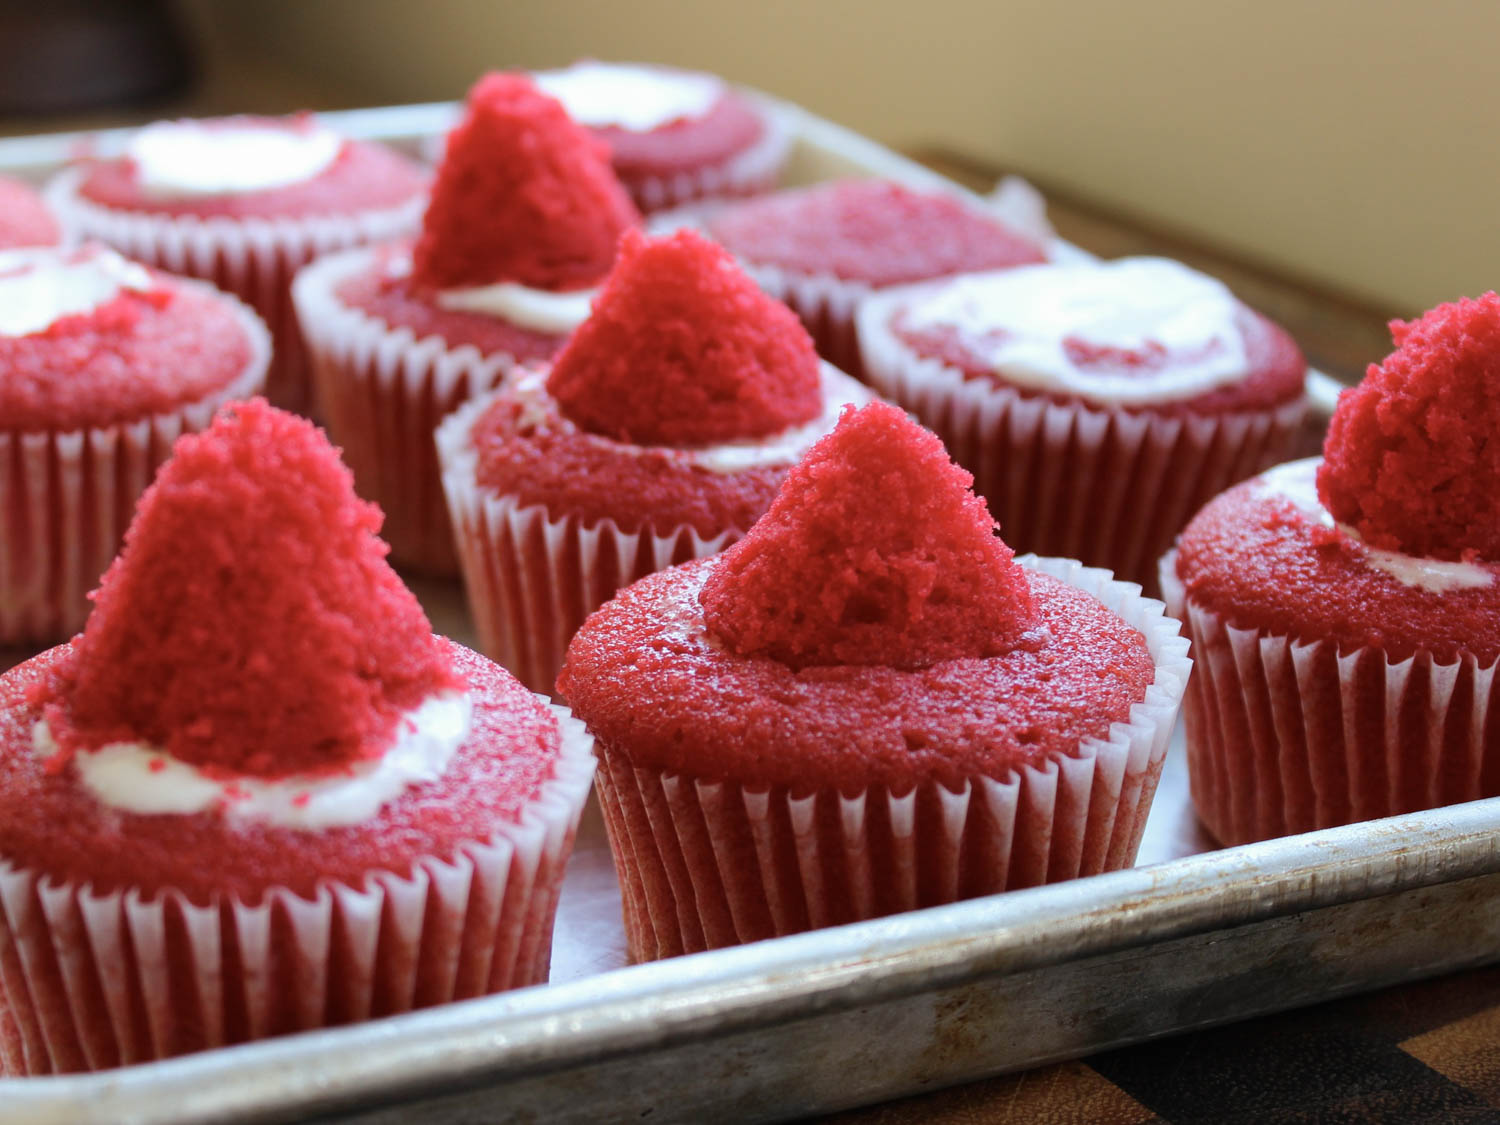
(1350, 142)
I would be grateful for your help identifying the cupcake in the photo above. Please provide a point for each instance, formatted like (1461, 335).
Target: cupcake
(1098, 405)
(660, 434)
(675, 136)
(1345, 613)
(867, 705)
(24, 218)
(822, 249)
(244, 202)
(523, 223)
(256, 794)
(103, 363)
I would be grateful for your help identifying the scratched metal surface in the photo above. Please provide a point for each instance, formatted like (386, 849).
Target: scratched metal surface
(860, 1013)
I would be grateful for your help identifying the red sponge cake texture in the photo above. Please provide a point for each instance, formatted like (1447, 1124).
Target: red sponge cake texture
(251, 625)
(522, 195)
(24, 218)
(875, 551)
(1412, 459)
(683, 349)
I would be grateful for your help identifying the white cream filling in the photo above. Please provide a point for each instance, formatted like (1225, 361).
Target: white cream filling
(783, 448)
(137, 778)
(540, 310)
(623, 96)
(1020, 320)
(1297, 481)
(38, 287)
(194, 159)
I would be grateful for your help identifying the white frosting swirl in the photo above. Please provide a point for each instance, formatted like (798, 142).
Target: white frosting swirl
(783, 448)
(1022, 322)
(38, 287)
(137, 778)
(624, 96)
(197, 159)
(540, 310)
(1297, 481)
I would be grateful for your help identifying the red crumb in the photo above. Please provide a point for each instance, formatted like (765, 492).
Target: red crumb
(875, 551)
(1411, 460)
(251, 625)
(874, 231)
(683, 349)
(24, 218)
(523, 194)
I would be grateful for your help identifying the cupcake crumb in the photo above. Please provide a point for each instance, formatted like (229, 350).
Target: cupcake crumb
(683, 349)
(523, 195)
(1411, 461)
(251, 625)
(874, 552)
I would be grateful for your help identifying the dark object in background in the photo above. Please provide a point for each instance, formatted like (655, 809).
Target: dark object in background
(69, 56)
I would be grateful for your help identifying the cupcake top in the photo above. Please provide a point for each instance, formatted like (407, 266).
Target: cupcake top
(874, 231)
(870, 629)
(656, 120)
(250, 167)
(683, 399)
(522, 196)
(1389, 541)
(90, 339)
(257, 699)
(1137, 333)
(24, 218)
(523, 222)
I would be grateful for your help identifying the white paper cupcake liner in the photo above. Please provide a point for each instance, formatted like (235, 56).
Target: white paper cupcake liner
(253, 258)
(383, 392)
(533, 577)
(1109, 487)
(705, 863)
(91, 980)
(1288, 735)
(67, 497)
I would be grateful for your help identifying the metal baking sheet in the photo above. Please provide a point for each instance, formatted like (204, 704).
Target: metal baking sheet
(859, 1013)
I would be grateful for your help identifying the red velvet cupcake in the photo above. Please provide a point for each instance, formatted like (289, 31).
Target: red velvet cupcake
(1098, 405)
(256, 794)
(523, 223)
(24, 218)
(660, 434)
(1345, 614)
(103, 363)
(822, 249)
(867, 705)
(244, 202)
(675, 136)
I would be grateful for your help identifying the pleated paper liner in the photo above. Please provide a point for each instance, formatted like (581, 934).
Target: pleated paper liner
(1108, 486)
(707, 863)
(532, 576)
(253, 258)
(383, 392)
(91, 980)
(67, 497)
(1288, 735)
